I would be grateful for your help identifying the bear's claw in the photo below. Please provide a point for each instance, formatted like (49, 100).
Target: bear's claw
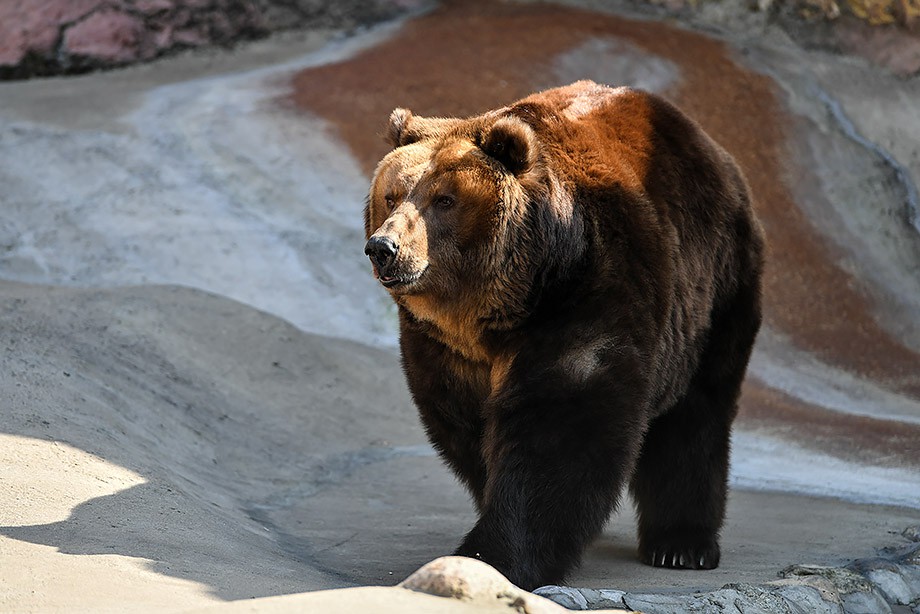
(698, 556)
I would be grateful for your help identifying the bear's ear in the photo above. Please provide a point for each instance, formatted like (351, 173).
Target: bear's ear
(397, 128)
(513, 143)
(405, 128)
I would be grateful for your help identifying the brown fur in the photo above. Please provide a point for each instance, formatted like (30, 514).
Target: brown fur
(578, 281)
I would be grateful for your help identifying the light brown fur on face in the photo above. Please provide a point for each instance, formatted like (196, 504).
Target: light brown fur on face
(429, 235)
(455, 253)
(390, 211)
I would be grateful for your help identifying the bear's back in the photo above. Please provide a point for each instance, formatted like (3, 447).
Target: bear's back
(631, 157)
(665, 204)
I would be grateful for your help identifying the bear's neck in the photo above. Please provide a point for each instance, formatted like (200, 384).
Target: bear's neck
(459, 327)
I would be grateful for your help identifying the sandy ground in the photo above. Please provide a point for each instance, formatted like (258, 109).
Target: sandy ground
(202, 401)
(171, 448)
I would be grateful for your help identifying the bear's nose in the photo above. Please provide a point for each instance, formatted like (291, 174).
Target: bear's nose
(382, 251)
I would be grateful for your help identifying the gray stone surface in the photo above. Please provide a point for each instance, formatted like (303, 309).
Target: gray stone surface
(865, 603)
(891, 582)
(866, 586)
(584, 598)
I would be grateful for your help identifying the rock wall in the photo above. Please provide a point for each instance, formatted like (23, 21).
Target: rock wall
(49, 37)
(53, 37)
(884, 32)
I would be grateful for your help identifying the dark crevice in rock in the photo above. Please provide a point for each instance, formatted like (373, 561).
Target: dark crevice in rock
(901, 175)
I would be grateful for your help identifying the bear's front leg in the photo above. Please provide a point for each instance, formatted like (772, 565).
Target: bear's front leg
(558, 449)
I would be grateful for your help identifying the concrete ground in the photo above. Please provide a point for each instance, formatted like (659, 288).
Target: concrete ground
(202, 400)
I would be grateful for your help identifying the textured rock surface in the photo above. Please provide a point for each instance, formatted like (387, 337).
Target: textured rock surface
(45, 37)
(866, 586)
(883, 31)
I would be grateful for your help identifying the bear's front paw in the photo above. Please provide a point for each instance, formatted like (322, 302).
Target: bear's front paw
(681, 553)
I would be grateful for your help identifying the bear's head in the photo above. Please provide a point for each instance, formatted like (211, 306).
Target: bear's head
(454, 211)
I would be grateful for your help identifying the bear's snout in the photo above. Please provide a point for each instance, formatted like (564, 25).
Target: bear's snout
(382, 252)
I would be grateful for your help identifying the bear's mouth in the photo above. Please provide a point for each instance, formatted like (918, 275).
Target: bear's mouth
(398, 281)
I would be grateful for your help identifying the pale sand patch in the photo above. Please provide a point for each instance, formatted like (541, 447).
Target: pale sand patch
(42, 482)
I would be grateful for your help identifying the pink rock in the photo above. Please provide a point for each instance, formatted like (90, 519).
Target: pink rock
(107, 35)
(13, 46)
(182, 16)
(34, 25)
(895, 48)
(58, 12)
(220, 26)
(407, 4)
(203, 4)
(151, 7)
(902, 59)
(162, 37)
(191, 37)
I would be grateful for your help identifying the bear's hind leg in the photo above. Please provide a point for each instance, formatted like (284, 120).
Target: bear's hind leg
(680, 481)
(679, 487)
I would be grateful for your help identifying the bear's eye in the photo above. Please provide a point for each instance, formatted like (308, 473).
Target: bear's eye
(390, 202)
(444, 201)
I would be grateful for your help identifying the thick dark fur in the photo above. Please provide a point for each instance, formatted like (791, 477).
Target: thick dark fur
(578, 280)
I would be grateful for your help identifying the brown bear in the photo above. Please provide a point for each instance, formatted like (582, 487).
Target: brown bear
(578, 277)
